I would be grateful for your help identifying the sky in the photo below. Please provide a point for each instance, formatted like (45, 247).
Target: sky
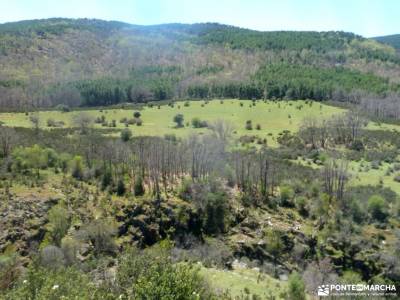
(365, 17)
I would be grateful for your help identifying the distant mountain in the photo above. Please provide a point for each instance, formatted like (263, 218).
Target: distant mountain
(392, 40)
(95, 62)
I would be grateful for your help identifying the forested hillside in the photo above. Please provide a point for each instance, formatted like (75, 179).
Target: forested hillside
(392, 40)
(85, 62)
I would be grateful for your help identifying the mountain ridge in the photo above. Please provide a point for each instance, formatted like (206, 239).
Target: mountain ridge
(46, 62)
(392, 40)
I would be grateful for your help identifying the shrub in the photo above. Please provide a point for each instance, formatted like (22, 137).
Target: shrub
(197, 123)
(137, 114)
(100, 120)
(126, 135)
(138, 188)
(139, 122)
(107, 179)
(377, 208)
(258, 127)
(77, 168)
(121, 188)
(287, 194)
(178, 119)
(302, 206)
(397, 178)
(51, 257)
(249, 125)
(100, 233)
(10, 270)
(51, 123)
(41, 283)
(180, 281)
(63, 108)
(59, 223)
(357, 145)
(296, 287)
(150, 274)
(215, 213)
(170, 137)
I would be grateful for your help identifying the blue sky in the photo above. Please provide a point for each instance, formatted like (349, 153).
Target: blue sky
(364, 17)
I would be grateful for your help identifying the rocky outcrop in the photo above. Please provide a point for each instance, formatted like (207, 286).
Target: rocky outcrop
(22, 221)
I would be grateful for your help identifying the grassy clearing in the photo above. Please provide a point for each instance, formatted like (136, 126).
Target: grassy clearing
(363, 174)
(273, 117)
(371, 176)
(236, 282)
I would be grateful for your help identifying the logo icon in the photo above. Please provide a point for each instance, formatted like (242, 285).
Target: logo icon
(323, 290)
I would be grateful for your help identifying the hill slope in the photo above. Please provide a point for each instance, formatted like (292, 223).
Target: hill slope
(94, 62)
(392, 40)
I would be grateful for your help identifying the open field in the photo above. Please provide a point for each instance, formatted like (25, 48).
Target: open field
(363, 174)
(273, 117)
(240, 281)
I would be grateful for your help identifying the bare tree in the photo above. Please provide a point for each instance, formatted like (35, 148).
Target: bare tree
(35, 120)
(335, 177)
(222, 130)
(309, 131)
(8, 138)
(83, 122)
(319, 273)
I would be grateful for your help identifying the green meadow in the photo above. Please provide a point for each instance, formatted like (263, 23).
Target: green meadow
(244, 282)
(361, 173)
(273, 117)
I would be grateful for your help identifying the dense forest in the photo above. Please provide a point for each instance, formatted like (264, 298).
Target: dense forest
(92, 62)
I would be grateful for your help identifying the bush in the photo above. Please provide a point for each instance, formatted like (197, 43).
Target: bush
(100, 120)
(77, 168)
(63, 108)
(249, 125)
(258, 127)
(287, 195)
(10, 270)
(170, 137)
(197, 123)
(137, 114)
(377, 208)
(51, 257)
(180, 281)
(59, 223)
(126, 135)
(397, 178)
(302, 206)
(40, 283)
(178, 119)
(139, 122)
(138, 188)
(100, 233)
(121, 188)
(51, 123)
(150, 274)
(357, 145)
(296, 287)
(106, 180)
